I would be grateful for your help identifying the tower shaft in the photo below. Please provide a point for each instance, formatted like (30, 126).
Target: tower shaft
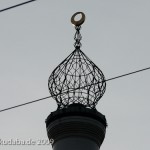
(76, 128)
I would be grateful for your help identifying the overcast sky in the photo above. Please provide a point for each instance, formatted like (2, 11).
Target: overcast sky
(36, 37)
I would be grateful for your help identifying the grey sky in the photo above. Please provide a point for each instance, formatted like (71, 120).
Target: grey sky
(36, 37)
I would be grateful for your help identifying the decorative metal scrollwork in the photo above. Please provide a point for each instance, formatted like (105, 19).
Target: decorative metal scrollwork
(77, 79)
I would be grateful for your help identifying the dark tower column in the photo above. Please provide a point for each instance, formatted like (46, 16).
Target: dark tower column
(76, 84)
(76, 128)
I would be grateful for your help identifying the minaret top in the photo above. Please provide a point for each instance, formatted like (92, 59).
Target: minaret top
(77, 80)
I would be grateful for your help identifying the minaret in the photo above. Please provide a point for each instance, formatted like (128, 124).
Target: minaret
(76, 84)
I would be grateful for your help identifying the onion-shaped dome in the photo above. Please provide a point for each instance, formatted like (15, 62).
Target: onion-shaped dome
(77, 80)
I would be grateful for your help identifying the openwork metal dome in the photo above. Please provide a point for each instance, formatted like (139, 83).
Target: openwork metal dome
(77, 80)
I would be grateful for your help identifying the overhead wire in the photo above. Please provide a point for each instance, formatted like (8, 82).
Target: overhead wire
(113, 78)
(20, 4)
(44, 98)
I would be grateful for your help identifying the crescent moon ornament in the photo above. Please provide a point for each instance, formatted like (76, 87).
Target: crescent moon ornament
(79, 22)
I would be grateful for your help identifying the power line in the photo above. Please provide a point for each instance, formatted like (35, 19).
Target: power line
(16, 5)
(127, 74)
(25, 103)
(120, 76)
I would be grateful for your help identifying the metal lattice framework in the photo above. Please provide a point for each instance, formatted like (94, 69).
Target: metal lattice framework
(77, 79)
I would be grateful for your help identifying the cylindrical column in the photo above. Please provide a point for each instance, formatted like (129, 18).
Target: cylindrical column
(76, 128)
(75, 143)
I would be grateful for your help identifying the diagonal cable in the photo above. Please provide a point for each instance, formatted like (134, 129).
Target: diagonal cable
(113, 78)
(17, 5)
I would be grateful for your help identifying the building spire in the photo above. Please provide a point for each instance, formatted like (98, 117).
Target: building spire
(77, 80)
(76, 84)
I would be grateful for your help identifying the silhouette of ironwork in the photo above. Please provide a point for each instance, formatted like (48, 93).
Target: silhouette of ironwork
(77, 71)
(77, 37)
